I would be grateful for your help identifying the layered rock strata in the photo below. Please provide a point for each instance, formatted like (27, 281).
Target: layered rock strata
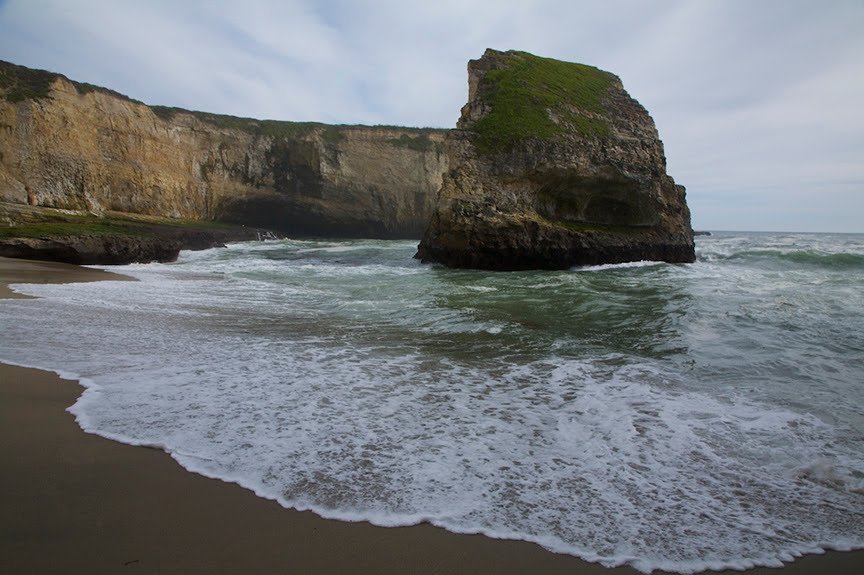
(554, 165)
(74, 146)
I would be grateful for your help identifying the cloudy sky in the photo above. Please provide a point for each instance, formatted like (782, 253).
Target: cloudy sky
(760, 103)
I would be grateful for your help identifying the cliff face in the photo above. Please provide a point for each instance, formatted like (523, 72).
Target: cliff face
(554, 165)
(74, 146)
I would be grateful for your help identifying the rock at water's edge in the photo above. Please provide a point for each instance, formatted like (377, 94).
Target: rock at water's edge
(92, 250)
(554, 165)
(111, 238)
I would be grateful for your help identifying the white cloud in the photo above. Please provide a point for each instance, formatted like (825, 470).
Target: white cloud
(748, 96)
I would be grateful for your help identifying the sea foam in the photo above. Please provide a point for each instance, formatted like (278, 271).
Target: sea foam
(395, 393)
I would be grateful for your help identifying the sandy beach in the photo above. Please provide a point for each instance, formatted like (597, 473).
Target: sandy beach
(78, 503)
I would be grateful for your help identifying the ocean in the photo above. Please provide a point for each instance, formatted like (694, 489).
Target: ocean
(677, 417)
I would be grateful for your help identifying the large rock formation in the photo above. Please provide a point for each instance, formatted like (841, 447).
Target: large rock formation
(74, 146)
(554, 165)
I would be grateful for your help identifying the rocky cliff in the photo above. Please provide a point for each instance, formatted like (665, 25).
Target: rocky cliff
(554, 165)
(74, 146)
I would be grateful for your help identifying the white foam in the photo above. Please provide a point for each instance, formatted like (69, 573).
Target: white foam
(621, 266)
(326, 392)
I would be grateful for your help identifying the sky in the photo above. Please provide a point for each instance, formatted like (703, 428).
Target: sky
(759, 103)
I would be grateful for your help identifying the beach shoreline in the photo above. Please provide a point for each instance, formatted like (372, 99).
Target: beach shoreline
(75, 502)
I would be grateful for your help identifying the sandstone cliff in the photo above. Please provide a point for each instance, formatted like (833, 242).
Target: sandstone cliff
(74, 146)
(554, 165)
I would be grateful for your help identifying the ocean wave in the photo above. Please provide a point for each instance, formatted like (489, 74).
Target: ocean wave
(804, 257)
(621, 266)
(372, 388)
(813, 251)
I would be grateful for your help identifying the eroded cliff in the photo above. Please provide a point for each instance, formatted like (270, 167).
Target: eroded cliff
(553, 165)
(79, 147)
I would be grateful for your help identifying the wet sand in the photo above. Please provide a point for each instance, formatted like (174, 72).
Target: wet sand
(38, 272)
(77, 503)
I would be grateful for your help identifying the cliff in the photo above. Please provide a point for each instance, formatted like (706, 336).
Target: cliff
(74, 146)
(553, 165)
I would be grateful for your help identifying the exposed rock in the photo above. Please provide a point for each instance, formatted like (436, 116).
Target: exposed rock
(110, 238)
(69, 145)
(84, 250)
(554, 165)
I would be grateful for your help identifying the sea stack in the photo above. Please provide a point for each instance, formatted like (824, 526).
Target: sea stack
(554, 165)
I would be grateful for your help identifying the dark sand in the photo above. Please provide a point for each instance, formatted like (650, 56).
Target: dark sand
(14, 271)
(71, 502)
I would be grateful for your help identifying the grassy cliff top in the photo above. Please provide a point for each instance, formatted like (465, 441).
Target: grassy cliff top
(19, 83)
(276, 128)
(287, 129)
(525, 92)
(40, 222)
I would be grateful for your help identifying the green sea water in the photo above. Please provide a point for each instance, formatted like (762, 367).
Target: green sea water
(665, 416)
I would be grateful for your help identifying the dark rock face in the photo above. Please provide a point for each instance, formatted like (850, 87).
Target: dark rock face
(51, 235)
(582, 183)
(345, 181)
(92, 250)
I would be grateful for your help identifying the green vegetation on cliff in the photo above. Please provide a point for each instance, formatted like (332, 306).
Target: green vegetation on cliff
(330, 133)
(275, 128)
(534, 97)
(419, 143)
(110, 238)
(19, 83)
(45, 222)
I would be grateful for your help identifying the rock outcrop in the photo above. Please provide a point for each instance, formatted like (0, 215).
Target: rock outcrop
(554, 165)
(109, 238)
(86, 250)
(74, 146)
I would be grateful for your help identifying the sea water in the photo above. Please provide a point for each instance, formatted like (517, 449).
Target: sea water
(676, 417)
